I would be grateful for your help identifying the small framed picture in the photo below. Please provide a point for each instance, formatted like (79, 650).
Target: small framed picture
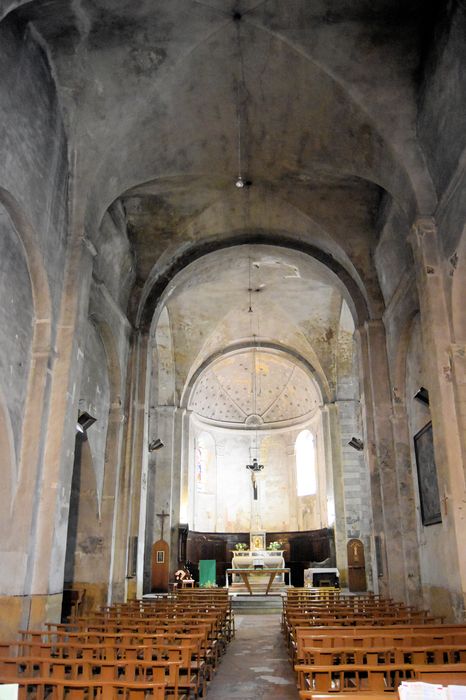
(257, 541)
(160, 558)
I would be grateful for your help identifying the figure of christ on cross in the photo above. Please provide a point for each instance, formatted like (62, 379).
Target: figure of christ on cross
(255, 468)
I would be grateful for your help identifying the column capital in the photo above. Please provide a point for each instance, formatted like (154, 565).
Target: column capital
(424, 244)
(422, 226)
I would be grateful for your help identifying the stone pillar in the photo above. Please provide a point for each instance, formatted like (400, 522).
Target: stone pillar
(136, 459)
(335, 484)
(408, 520)
(167, 477)
(15, 600)
(109, 508)
(175, 491)
(381, 457)
(50, 519)
(458, 365)
(185, 464)
(436, 332)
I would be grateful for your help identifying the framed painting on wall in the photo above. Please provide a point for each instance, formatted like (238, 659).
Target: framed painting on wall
(427, 476)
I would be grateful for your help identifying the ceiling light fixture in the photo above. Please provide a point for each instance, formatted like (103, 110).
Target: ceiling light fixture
(240, 182)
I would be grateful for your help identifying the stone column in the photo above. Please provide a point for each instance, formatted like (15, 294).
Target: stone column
(381, 457)
(458, 365)
(175, 490)
(136, 459)
(436, 332)
(50, 520)
(109, 508)
(185, 463)
(335, 484)
(408, 521)
(166, 466)
(122, 586)
(15, 600)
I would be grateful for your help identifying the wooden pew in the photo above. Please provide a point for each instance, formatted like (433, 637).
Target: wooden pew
(56, 689)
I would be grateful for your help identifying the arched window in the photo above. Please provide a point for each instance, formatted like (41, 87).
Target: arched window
(305, 452)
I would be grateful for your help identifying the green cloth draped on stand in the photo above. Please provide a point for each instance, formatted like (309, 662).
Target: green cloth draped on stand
(207, 572)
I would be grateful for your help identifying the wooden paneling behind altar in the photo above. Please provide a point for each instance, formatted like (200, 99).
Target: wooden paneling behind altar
(300, 550)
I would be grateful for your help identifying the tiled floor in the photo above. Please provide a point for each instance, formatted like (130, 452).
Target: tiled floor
(255, 666)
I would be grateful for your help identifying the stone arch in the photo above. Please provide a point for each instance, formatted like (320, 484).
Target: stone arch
(35, 263)
(151, 301)
(165, 362)
(41, 339)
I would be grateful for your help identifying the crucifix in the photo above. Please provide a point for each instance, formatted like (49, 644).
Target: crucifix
(162, 517)
(255, 468)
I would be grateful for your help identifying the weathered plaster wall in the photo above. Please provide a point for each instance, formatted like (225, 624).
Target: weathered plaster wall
(222, 494)
(433, 549)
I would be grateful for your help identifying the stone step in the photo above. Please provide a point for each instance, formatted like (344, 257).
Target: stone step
(256, 604)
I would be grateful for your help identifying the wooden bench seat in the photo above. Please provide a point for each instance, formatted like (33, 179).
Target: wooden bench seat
(74, 689)
(362, 677)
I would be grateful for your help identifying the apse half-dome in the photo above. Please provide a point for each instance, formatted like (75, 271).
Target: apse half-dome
(254, 388)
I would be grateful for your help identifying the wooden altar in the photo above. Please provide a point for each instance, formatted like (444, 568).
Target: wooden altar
(246, 574)
(257, 558)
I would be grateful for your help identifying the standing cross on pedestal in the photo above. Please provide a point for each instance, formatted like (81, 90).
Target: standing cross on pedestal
(162, 517)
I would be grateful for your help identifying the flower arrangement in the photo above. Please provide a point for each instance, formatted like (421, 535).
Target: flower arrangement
(274, 546)
(241, 547)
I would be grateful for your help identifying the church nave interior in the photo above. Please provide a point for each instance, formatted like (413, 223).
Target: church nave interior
(232, 299)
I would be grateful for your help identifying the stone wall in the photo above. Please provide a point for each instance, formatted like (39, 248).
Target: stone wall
(33, 198)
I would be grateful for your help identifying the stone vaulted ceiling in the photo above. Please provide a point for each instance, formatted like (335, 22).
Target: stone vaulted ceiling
(250, 296)
(254, 388)
(323, 93)
(313, 102)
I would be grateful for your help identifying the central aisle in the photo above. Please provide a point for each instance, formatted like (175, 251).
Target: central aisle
(256, 665)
